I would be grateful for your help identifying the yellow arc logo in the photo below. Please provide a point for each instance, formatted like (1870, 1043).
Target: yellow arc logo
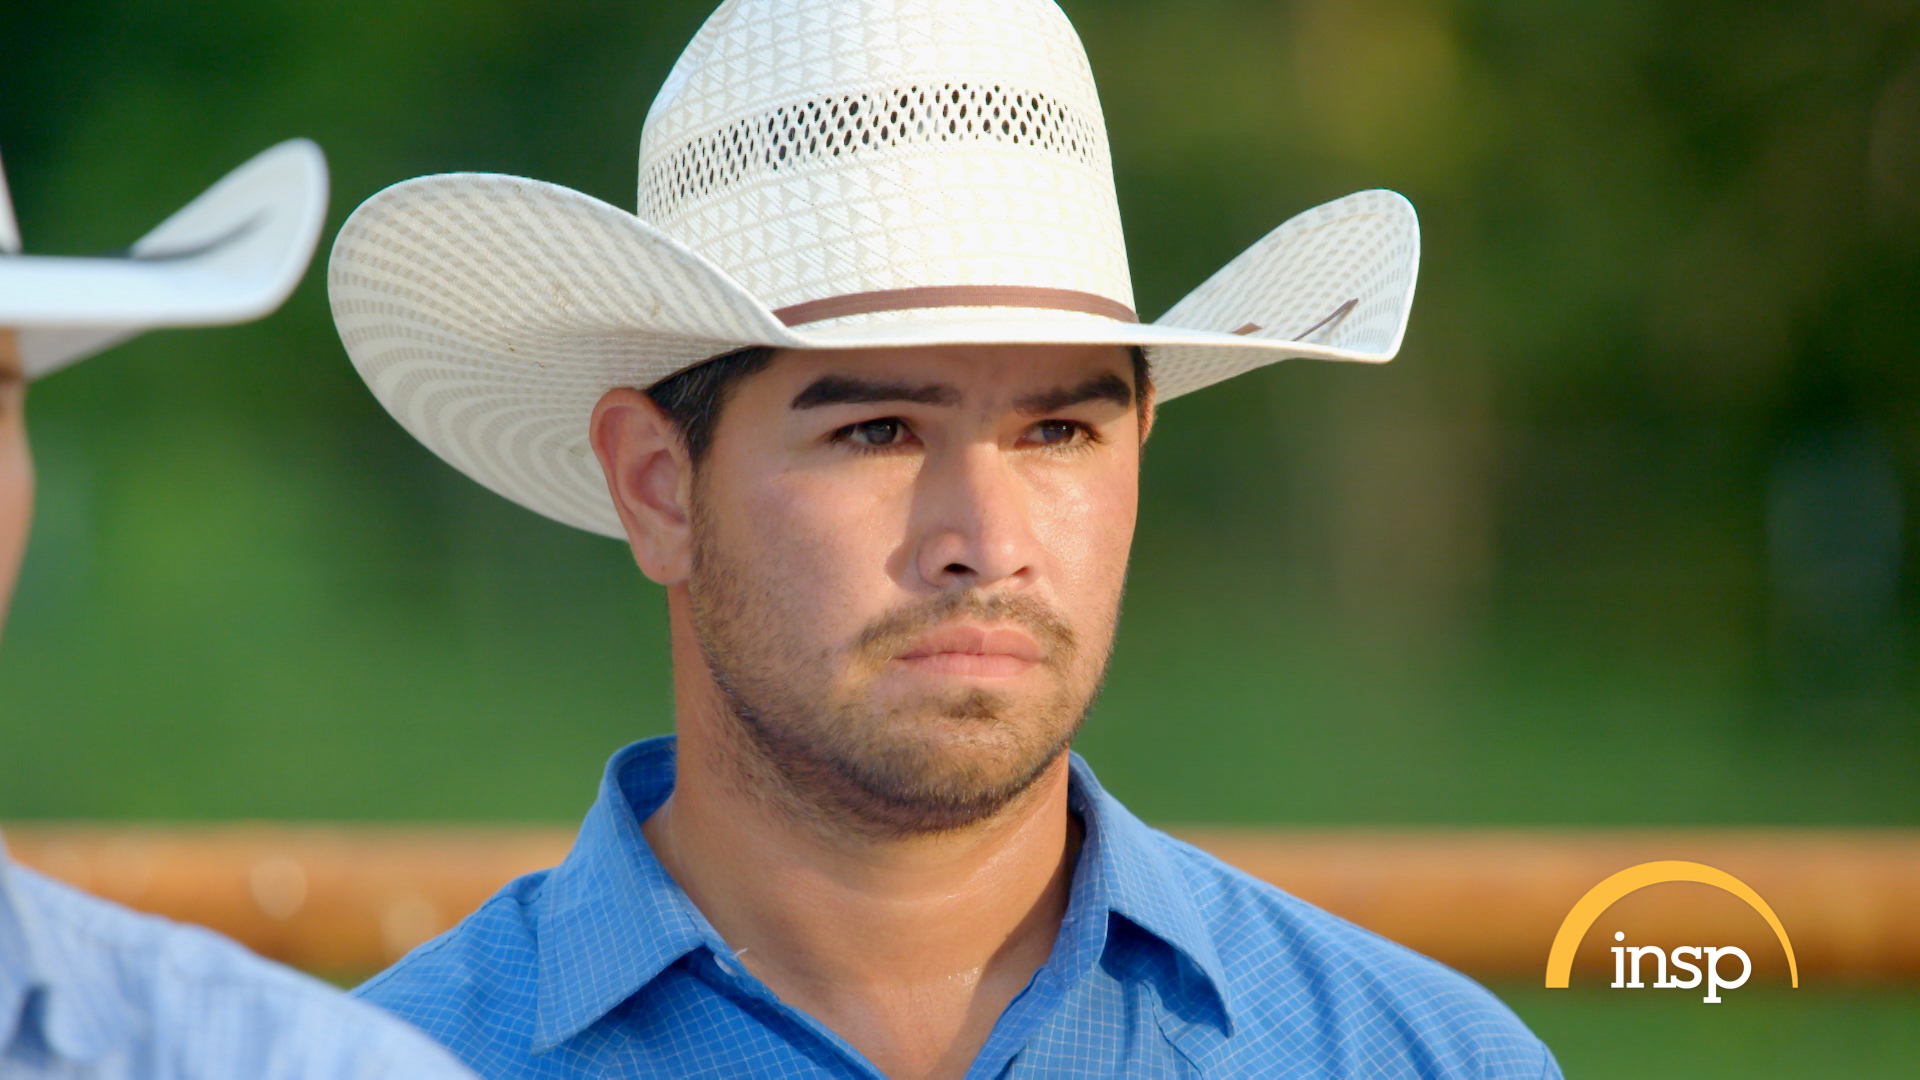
(1602, 896)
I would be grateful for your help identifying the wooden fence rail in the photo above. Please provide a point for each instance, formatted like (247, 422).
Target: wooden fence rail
(352, 899)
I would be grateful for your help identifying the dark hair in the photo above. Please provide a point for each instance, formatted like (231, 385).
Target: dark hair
(693, 398)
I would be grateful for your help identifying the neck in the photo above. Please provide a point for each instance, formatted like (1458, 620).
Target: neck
(907, 946)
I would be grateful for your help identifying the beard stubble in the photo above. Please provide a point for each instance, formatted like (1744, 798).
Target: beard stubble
(810, 741)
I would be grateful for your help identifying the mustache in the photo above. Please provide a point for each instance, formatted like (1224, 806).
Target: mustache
(898, 630)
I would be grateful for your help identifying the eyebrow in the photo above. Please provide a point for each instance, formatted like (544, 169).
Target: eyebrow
(846, 390)
(1108, 387)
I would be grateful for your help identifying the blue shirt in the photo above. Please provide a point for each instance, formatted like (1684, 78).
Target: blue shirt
(90, 989)
(1168, 963)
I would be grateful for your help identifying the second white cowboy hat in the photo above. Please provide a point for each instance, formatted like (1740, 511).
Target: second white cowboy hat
(818, 174)
(231, 255)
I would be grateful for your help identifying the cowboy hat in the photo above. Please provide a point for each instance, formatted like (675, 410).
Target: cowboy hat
(231, 255)
(818, 174)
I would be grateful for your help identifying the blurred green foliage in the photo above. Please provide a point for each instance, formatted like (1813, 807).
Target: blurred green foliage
(1622, 537)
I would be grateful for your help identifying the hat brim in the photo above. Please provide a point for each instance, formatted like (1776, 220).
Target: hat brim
(231, 255)
(490, 313)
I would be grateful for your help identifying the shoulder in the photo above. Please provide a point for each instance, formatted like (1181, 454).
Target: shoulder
(475, 987)
(205, 1003)
(1369, 1005)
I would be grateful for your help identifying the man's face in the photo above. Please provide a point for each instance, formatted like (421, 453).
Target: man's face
(16, 469)
(907, 568)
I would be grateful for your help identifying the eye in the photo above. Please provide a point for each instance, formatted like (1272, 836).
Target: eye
(1058, 433)
(886, 431)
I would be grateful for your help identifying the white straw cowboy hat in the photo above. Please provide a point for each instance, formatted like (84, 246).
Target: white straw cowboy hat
(229, 256)
(818, 174)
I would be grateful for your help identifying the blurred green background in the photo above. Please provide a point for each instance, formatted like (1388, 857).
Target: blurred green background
(1623, 538)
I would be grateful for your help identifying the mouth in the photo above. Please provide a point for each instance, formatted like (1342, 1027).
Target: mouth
(971, 651)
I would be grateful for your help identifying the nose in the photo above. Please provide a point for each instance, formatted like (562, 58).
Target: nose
(974, 522)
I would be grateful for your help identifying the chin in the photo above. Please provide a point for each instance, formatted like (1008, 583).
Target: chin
(932, 785)
(902, 758)
(963, 745)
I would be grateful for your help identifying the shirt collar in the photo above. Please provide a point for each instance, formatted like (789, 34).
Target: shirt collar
(1124, 867)
(49, 981)
(612, 918)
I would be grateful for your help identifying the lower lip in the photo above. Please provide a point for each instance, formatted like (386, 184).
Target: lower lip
(968, 665)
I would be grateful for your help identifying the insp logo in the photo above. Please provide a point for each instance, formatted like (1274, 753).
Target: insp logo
(1627, 959)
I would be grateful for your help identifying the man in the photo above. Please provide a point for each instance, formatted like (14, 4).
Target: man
(89, 989)
(885, 464)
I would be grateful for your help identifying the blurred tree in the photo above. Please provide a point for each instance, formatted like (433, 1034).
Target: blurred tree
(1671, 252)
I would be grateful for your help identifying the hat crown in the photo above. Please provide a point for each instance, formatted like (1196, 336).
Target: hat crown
(824, 148)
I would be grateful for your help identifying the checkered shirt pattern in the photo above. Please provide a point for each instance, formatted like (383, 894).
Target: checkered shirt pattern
(92, 991)
(1168, 963)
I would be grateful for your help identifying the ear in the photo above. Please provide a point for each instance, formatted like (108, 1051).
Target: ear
(650, 477)
(1148, 410)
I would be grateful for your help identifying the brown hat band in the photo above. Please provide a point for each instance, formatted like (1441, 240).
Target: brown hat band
(941, 296)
